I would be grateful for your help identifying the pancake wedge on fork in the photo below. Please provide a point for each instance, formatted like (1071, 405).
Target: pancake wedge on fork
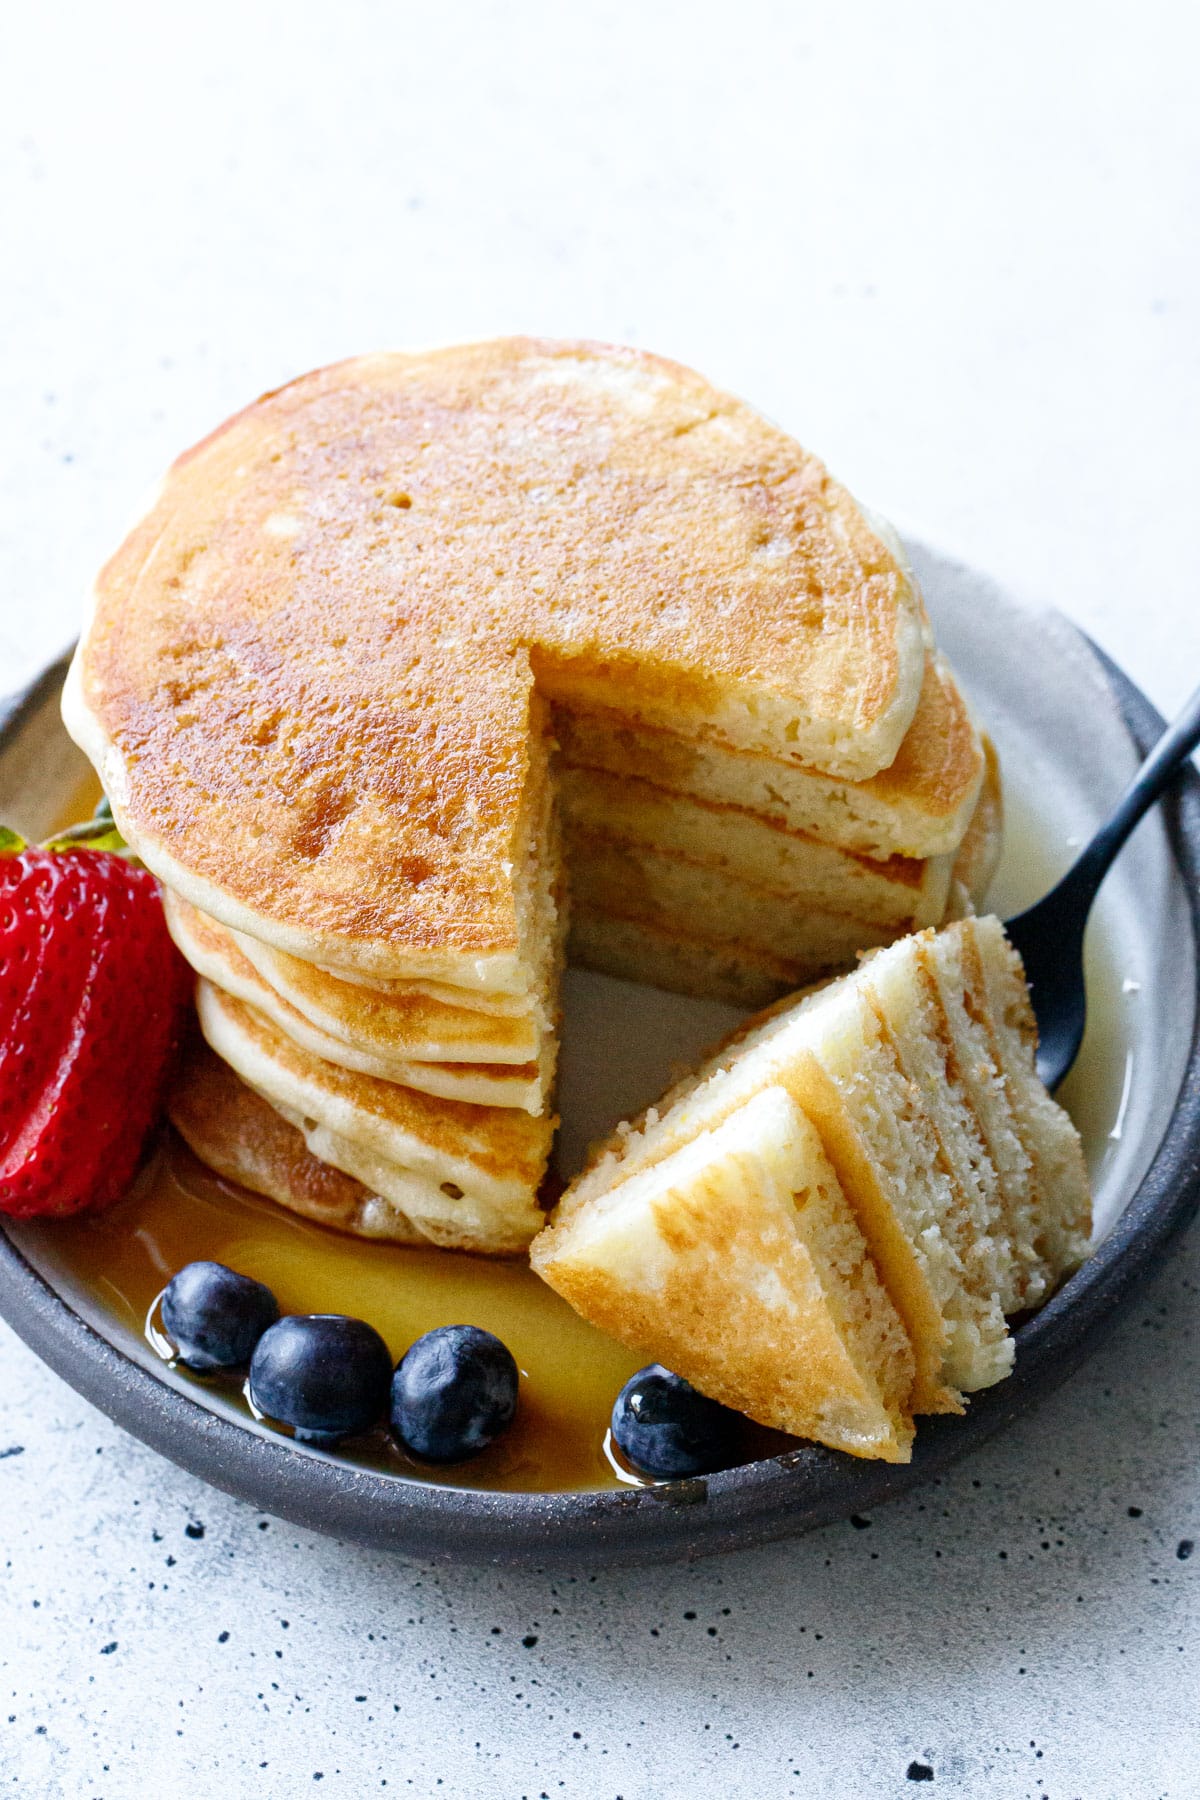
(737, 1262)
(325, 671)
(917, 1074)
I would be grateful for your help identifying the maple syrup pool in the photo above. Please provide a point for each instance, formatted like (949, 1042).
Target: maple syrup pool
(178, 1212)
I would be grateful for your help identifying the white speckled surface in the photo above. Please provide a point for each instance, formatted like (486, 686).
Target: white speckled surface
(954, 250)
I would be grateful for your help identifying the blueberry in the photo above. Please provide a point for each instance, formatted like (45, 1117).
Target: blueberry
(454, 1393)
(323, 1374)
(214, 1316)
(665, 1428)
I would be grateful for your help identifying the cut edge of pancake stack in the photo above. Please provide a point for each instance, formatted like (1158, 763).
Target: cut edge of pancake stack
(734, 875)
(763, 764)
(862, 1187)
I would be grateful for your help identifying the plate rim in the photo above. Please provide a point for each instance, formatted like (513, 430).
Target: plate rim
(752, 1504)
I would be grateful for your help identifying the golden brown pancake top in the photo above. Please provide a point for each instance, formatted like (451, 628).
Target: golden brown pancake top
(310, 670)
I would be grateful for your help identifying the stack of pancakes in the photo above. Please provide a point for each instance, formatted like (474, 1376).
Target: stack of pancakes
(449, 1150)
(828, 1226)
(323, 685)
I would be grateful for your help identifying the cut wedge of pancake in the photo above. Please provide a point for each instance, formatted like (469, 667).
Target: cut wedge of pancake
(309, 681)
(917, 1071)
(917, 807)
(215, 954)
(737, 1262)
(466, 1177)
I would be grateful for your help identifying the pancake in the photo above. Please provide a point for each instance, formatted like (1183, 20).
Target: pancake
(402, 1020)
(523, 1004)
(666, 956)
(237, 1134)
(643, 915)
(466, 1177)
(917, 1071)
(322, 683)
(979, 853)
(314, 680)
(896, 896)
(738, 1263)
(214, 954)
(671, 894)
(917, 807)
(240, 1136)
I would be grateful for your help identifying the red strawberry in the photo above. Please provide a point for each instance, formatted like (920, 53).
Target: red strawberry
(93, 999)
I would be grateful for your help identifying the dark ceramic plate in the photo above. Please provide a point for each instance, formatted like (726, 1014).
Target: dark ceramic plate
(1068, 725)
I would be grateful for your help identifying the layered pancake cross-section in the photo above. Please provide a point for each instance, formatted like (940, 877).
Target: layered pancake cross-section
(740, 876)
(963, 1178)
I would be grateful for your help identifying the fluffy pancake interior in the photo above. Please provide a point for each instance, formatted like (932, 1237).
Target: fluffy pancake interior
(738, 1263)
(917, 807)
(876, 1061)
(799, 869)
(694, 921)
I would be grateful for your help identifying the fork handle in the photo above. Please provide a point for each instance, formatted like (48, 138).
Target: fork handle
(1155, 775)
